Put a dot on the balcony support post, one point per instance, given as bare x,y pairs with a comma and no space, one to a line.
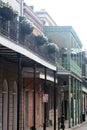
72,101
76,105
34,99
44,127
69,102
81,101
54,100
19,91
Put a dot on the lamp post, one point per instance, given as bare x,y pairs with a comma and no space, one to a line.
63,109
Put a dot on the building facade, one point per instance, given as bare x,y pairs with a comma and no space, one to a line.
84,83
33,19
16,5
15,55
45,18
70,58
28,73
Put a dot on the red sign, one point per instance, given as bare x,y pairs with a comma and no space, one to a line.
45,97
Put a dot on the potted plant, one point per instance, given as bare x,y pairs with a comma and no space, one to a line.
41,40
52,48
6,11
30,41
26,27
15,14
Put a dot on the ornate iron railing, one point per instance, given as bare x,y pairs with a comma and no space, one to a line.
11,29
75,68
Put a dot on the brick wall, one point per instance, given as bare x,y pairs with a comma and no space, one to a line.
28,86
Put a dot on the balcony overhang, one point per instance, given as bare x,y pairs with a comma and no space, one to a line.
39,75
9,49
65,74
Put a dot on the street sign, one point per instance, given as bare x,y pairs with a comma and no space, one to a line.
45,97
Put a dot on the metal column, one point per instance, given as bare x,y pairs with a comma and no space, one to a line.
78,102
19,91
34,99
69,109
81,101
54,100
73,102
76,106
44,127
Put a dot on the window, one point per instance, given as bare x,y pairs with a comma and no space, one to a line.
4,105
27,96
14,126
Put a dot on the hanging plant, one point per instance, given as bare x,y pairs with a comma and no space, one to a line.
41,40
15,14
6,11
26,27
31,41
52,48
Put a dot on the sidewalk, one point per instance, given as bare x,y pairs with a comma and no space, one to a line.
75,127
66,126
78,125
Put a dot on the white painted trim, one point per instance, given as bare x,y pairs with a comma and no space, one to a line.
63,72
27,74
48,77
20,49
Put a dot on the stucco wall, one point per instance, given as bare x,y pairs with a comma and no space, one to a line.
8,96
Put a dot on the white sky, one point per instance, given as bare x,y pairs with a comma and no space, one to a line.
66,13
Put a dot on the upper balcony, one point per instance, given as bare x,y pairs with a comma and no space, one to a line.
64,37
70,47
11,31
63,59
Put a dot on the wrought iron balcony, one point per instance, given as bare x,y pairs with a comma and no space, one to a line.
11,30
